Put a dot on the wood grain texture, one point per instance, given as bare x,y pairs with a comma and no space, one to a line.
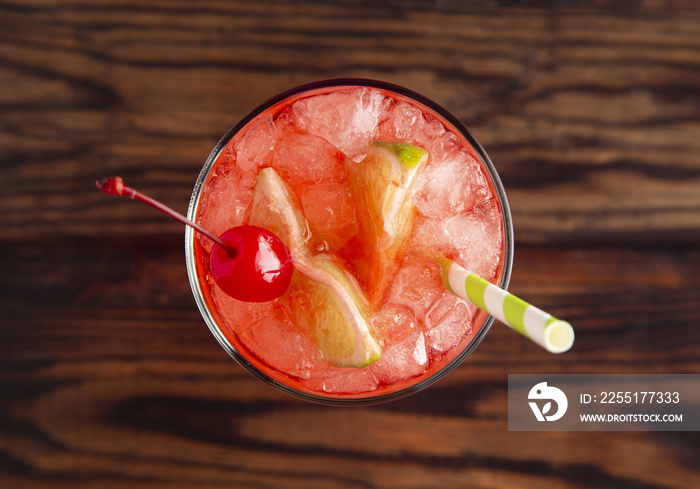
109,377
592,116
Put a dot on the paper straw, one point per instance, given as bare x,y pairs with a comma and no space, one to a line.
551,333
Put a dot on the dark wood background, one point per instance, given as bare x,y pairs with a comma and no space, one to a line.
109,378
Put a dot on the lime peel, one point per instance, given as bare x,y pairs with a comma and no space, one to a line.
408,154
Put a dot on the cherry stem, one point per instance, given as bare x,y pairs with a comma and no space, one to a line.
115,186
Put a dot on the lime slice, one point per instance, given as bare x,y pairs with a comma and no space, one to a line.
327,302
383,182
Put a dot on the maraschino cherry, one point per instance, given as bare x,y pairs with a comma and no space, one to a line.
249,263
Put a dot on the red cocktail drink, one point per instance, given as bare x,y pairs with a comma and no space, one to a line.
367,183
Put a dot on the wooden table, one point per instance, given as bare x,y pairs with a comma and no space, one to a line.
109,378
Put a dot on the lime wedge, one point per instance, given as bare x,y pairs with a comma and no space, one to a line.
385,178
383,182
326,302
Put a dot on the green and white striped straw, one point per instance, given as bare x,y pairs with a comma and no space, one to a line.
551,333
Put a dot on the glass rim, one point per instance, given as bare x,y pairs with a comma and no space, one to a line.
360,399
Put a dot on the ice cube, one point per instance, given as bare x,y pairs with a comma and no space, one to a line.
449,187
282,346
330,211
348,119
446,147
238,315
404,123
305,158
285,122
417,285
335,380
473,239
481,253
404,353
254,144
224,206
448,322
433,130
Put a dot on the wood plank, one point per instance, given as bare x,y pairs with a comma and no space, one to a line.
127,300
589,114
116,379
